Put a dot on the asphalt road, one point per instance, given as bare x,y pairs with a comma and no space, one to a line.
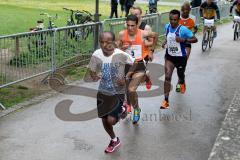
187,131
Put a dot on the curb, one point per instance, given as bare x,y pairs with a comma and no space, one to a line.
227,144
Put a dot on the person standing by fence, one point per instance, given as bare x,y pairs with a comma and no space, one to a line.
128,6
195,3
114,8
152,6
122,3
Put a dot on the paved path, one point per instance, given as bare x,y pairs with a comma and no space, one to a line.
187,131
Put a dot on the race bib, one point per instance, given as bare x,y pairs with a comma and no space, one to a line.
173,47
135,51
173,50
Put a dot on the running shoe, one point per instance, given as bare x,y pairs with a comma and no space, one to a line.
148,83
129,108
183,88
136,115
113,146
178,88
165,105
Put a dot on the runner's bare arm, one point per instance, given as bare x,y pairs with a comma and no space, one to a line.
91,76
94,76
148,38
120,43
154,35
188,40
164,43
155,39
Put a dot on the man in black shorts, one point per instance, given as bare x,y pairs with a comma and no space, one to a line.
137,43
176,38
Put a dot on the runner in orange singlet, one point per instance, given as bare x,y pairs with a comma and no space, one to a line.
137,43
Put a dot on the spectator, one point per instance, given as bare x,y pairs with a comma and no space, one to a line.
152,6
128,5
196,3
122,3
114,8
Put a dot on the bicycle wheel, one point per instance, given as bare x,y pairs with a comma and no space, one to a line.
210,34
205,41
235,35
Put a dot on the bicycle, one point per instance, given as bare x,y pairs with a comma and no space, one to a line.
208,34
38,42
236,27
80,17
51,20
39,26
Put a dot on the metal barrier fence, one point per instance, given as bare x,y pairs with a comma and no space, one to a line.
30,54
158,21
117,24
26,55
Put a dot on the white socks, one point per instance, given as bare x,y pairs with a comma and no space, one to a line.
115,139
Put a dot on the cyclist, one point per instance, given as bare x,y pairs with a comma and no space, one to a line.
135,42
175,57
237,10
208,10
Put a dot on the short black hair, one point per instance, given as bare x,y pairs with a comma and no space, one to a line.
174,12
132,18
108,32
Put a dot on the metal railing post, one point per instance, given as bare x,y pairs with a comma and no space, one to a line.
53,51
2,106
